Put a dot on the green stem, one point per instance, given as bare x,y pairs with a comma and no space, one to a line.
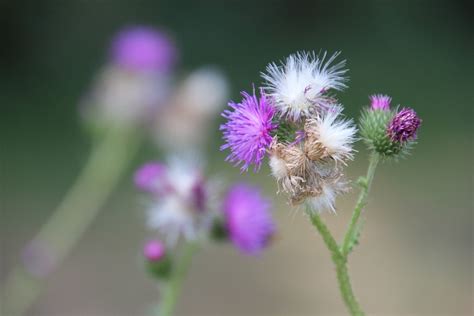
340,260
107,161
173,287
361,202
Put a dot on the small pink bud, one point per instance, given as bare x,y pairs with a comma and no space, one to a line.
154,250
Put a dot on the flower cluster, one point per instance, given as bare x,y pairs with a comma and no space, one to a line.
390,133
298,123
184,203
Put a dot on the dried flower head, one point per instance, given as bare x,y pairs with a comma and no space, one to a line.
404,125
299,86
332,183
306,180
248,130
380,102
248,219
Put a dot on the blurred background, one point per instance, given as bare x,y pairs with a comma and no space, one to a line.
416,252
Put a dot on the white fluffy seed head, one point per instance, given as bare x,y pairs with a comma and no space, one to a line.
301,83
334,133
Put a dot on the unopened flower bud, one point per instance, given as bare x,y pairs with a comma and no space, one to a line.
154,250
404,125
158,263
387,132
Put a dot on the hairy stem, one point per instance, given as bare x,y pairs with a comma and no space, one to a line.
340,260
173,287
107,161
365,184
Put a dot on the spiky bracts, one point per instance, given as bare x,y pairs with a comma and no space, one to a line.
390,133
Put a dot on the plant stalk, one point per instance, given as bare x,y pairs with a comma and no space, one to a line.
340,261
365,184
173,287
106,163
339,254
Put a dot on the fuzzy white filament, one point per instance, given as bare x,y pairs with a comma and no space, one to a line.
334,133
302,82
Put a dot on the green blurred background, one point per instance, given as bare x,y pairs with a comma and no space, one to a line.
416,252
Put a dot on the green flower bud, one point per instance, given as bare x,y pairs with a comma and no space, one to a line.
373,130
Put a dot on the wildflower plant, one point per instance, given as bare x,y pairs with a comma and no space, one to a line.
298,123
133,92
185,210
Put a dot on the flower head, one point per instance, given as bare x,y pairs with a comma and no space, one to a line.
181,209
380,102
154,250
404,125
328,135
300,85
141,48
248,130
248,220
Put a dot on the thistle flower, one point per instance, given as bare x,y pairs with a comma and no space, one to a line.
328,135
403,126
315,182
300,85
181,210
248,220
309,134
248,130
380,102
141,48
387,132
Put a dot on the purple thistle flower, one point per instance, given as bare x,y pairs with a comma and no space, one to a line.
248,130
404,125
380,102
154,250
149,177
143,48
247,219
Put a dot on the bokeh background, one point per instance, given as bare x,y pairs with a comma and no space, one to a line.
416,252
